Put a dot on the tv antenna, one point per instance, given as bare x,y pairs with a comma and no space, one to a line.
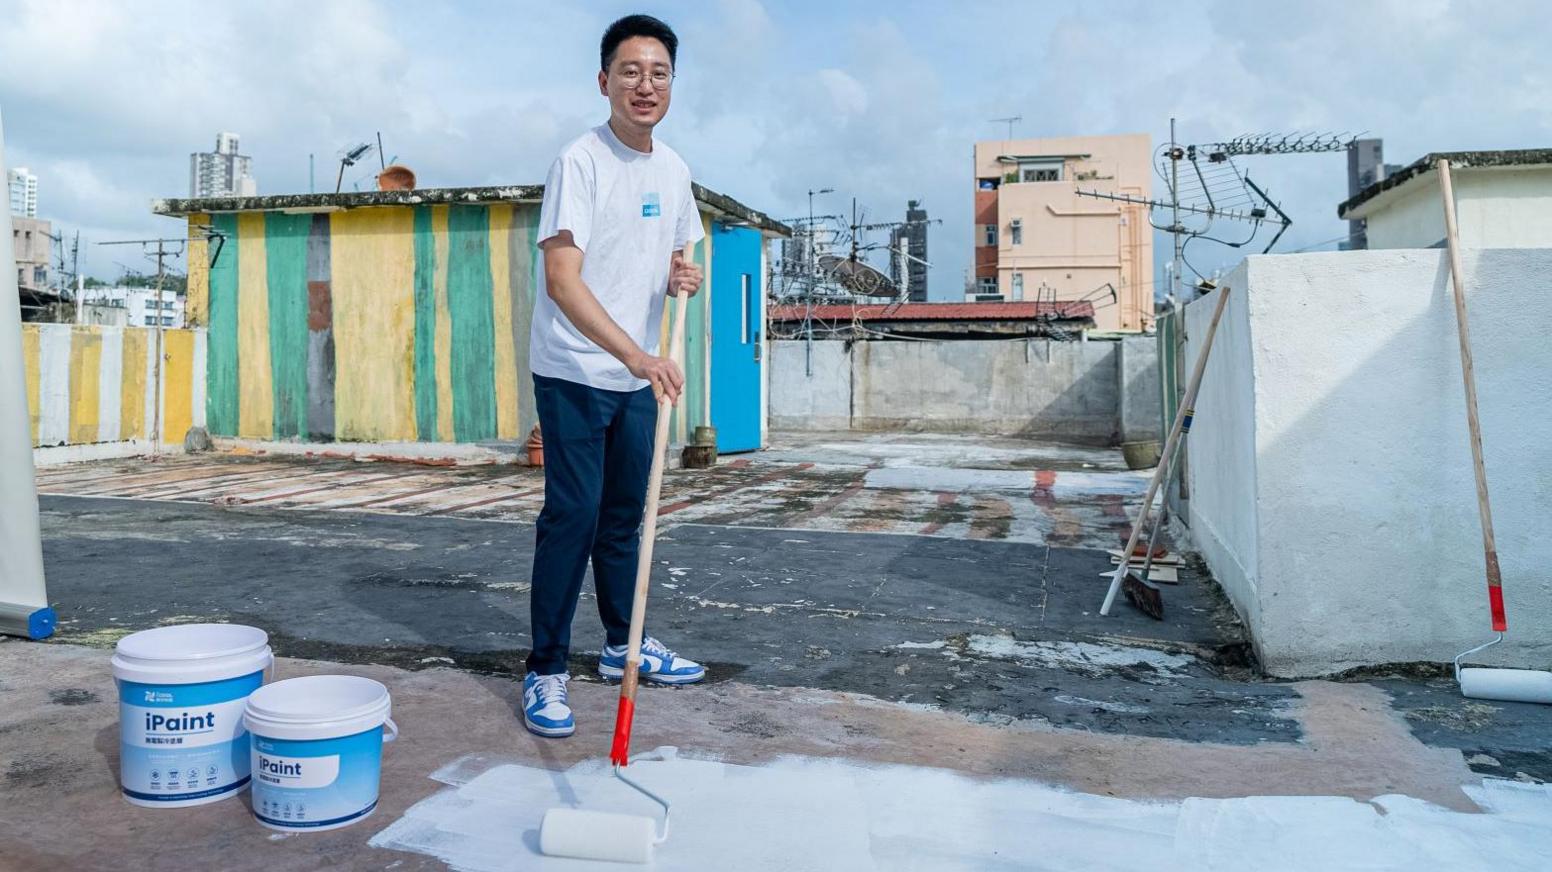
1206,189
349,157
1009,120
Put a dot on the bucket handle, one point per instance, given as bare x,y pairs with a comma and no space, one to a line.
390,731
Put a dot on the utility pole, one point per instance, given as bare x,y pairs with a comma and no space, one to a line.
813,273
162,253
1174,223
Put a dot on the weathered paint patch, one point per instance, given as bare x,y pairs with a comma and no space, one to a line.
255,385
197,382
85,383
110,385
505,360
196,299
132,389
221,375
178,375
373,260
425,326
469,287
54,387
444,327
31,363
525,261
285,254
320,333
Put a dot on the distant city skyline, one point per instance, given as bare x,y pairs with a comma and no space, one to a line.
223,172
21,187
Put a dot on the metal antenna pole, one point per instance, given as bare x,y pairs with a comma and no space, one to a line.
1174,196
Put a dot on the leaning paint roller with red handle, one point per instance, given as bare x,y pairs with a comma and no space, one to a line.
570,832
1510,685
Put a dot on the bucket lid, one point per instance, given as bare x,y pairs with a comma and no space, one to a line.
318,699
193,642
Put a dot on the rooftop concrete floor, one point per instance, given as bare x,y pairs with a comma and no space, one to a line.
925,600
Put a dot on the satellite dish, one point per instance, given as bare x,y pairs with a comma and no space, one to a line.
857,277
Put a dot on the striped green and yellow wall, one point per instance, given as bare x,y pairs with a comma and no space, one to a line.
382,324
88,384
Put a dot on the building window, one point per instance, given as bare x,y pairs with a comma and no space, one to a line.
1040,171
986,285
1018,286
991,234
150,320
1018,231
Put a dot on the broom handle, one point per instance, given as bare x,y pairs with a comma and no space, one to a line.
1182,417
1467,371
619,753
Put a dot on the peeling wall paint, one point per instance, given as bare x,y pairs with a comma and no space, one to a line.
88,384
393,323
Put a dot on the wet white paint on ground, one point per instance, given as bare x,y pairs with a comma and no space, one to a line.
809,814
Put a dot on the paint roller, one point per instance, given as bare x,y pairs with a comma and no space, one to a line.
1509,685
596,835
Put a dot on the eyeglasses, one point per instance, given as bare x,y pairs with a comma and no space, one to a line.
631,79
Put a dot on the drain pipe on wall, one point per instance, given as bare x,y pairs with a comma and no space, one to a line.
24,608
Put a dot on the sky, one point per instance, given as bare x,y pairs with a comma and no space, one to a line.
883,101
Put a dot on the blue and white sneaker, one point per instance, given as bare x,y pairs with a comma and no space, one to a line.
658,664
545,711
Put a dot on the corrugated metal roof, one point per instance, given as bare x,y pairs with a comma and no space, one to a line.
1521,157
719,204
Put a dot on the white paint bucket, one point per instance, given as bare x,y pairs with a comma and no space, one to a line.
317,750
182,690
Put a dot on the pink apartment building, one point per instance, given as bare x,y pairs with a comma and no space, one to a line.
1036,239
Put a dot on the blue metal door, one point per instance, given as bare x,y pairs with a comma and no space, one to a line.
736,321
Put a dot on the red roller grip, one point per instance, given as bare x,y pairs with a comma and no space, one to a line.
619,754
1495,601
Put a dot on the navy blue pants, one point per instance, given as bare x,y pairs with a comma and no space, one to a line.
597,457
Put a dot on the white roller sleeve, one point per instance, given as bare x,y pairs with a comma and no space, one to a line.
21,544
1509,685
597,835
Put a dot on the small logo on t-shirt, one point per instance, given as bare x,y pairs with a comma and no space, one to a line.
651,206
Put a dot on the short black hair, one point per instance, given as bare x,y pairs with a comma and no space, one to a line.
637,25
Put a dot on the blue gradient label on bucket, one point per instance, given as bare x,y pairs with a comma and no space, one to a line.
182,742
310,783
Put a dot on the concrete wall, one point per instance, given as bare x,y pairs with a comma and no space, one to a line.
1497,207
1331,481
1064,390
1222,505
1140,397
91,384
800,401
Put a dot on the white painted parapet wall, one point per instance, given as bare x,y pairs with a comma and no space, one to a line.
24,609
1331,488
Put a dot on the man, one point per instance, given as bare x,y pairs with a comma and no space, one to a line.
617,213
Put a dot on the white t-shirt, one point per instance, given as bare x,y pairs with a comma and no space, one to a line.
628,211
